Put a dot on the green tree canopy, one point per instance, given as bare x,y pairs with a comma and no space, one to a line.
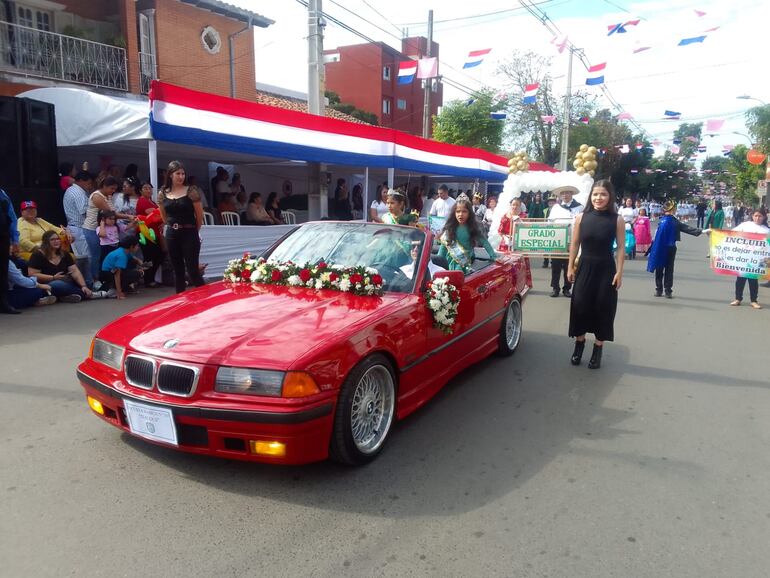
746,175
688,147
336,104
469,122
758,121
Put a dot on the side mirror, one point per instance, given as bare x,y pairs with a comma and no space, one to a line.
456,278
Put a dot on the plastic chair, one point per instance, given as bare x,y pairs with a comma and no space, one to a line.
289,218
208,218
230,218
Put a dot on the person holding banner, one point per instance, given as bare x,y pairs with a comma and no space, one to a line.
598,277
753,226
507,223
662,253
564,212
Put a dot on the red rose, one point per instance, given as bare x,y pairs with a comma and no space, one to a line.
321,265
333,277
304,274
377,279
245,274
275,275
355,278
246,255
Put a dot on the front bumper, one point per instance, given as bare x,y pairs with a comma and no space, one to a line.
227,433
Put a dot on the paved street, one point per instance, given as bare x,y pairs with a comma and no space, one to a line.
655,465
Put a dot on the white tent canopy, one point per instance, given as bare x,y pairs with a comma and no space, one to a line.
87,118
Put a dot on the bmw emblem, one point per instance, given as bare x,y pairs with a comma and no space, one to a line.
150,427
171,344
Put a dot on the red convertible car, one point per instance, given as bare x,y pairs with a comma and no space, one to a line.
295,374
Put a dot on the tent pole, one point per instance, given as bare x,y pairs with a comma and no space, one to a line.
366,194
391,177
152,151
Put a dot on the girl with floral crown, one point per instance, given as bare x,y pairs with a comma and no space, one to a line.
460,235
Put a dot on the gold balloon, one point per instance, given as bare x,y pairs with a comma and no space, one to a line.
583,148
511,161
592,150
520,165
580,171
592,173
590,165
577,163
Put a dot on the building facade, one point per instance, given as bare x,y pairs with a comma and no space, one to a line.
366,76
119,46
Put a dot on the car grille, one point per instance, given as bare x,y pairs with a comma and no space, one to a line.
176,379
140,371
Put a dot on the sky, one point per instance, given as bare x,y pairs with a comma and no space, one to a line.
701,81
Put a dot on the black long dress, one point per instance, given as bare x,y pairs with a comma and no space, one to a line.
594,299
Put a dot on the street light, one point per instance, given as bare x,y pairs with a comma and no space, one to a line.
747,97
751,144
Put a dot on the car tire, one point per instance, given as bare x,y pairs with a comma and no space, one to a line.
366,410
511,328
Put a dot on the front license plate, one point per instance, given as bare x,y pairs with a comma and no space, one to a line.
153,423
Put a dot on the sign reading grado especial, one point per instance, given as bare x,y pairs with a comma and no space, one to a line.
541,238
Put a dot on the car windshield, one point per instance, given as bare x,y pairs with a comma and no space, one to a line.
390,249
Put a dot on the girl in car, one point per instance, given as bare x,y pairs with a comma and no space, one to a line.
397,214
460,235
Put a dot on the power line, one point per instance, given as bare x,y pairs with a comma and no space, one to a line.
473,16
381,16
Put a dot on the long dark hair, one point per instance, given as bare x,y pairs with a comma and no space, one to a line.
270,198
173,167
450,228
606,184
45,245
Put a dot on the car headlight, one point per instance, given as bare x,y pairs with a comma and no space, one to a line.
107,353
249,381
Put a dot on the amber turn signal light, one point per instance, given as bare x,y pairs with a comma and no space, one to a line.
95,405
298,384
265,448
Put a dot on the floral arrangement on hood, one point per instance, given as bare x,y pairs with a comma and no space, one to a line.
357,280
442,299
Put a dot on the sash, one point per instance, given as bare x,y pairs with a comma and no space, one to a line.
458,254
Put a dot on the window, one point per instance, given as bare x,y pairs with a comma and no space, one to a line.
386,72
24,17
33,18
385,106
211,40
401,104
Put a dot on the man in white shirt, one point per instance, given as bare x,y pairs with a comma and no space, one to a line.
408,269
442,207
564,212
75,203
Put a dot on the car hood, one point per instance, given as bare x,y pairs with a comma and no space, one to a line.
263,326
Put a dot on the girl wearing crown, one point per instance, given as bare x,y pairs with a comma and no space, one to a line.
460,235
397,214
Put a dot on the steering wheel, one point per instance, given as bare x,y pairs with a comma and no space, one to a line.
389,273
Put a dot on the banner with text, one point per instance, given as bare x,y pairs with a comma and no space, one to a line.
740,254
541,238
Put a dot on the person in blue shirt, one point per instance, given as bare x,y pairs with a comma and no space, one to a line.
119,272
9,239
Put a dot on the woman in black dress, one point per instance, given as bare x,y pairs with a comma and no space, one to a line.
182,213
598,276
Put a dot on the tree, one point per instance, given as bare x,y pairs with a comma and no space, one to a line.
336,104
469,122
526,128
717,170
746,175
690,135
667,178
758,121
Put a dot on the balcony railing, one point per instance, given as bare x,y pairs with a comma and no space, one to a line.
32,52
148,71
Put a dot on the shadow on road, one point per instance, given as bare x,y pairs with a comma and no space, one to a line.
490,430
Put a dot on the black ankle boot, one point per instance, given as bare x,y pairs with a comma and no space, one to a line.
596,358
577,355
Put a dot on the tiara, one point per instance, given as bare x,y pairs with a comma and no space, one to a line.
463,197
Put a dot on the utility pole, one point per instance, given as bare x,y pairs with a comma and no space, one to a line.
317,187
428,83
564,157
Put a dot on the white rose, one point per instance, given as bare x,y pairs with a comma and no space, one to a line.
310,283
294,280
325,277
434,304
344,285
319,284
254,275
